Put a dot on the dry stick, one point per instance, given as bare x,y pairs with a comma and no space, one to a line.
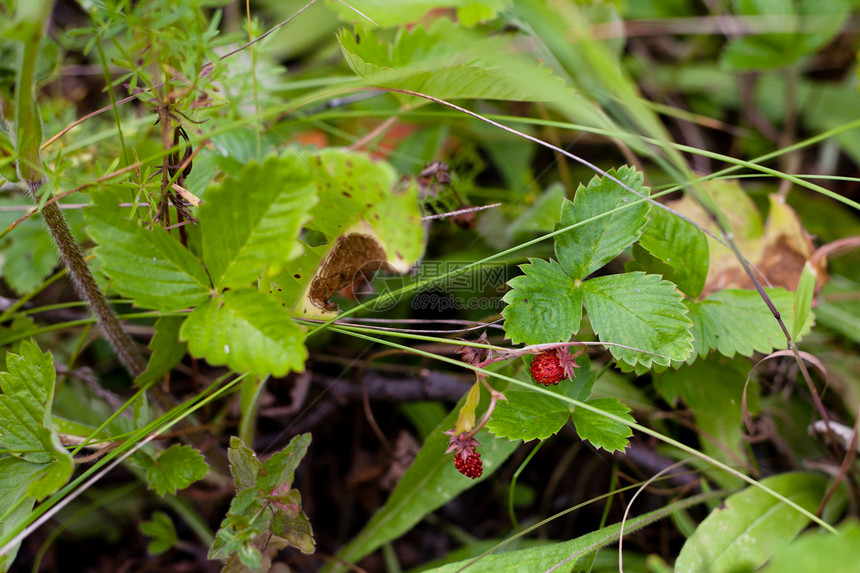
29,130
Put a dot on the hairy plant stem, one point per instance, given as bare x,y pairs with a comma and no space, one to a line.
28,130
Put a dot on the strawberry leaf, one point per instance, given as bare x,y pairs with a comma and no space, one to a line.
600,430
175,468
247,331
640,311
738,321
250,222
680,245
583,250
545,304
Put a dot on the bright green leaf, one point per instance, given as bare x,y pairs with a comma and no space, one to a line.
167,351
738,321
250,221
803,299
680,245
587,248
160,529
175,468
16,475
248,332
640,311
745,531
820,552
244,464
544,305
600,430
149,266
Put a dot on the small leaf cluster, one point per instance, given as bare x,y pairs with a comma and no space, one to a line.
266,509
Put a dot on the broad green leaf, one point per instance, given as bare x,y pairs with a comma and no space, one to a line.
544,305
712,388
277,471
820,552
175,468
600,430
149,266
251,220
738,321
429,483
30,258
160,529
744,532
533,415
587,248
371,223
16,475
803,299
564,555
445,61
680,245
640,311
26,425
167,351
806,25
248,332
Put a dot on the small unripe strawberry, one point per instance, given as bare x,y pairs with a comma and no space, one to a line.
546,368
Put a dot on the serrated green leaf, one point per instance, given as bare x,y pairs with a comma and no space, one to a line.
244,464
680,245
544,305
803,299
160,529
738,321
600,430
445,61
16,475
430,482
250,221
744,532
277,472
819,552
150,267
640,311
26,426
243,523
175,468
167,351
587,248
248,332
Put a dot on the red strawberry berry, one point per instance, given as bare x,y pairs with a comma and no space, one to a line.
546,368
469,463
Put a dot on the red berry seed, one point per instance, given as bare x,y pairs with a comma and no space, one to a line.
469,463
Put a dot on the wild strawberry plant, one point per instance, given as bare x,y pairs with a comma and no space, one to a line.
237,211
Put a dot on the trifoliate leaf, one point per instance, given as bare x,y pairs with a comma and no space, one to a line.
160,529
173,469
640,311
250,221
586,248
600,430
167,351
149,266
738,321
544,305
680,245
247,331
